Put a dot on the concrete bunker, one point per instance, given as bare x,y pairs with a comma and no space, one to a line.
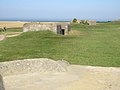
58,28
63,29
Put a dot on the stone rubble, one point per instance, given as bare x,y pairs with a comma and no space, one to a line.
31,66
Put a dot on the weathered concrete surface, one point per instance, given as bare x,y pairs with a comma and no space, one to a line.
31,66
55,27
1,83
95,78
75,77
38,27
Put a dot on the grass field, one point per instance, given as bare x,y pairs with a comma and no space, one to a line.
95,45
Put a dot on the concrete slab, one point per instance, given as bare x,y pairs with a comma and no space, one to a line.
75,77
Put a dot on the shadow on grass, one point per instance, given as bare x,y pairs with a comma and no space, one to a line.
61,37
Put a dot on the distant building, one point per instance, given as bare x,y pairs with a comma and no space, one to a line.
91,22
58,28
79,21
88,22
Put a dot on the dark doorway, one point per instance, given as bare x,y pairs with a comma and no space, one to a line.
62,31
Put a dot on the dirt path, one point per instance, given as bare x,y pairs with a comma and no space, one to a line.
13,34
10,34
2,37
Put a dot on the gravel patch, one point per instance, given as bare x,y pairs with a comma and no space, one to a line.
32,65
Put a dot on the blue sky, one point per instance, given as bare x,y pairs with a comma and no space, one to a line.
60,9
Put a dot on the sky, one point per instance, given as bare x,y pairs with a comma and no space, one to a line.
60,9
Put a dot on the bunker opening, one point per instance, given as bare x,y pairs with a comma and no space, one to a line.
62,31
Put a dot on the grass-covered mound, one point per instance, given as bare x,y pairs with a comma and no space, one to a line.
95,45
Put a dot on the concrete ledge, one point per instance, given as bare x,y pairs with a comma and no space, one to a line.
32,65
1,83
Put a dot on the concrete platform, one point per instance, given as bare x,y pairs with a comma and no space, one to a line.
75,77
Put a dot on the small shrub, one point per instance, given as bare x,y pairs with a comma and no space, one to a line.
74,20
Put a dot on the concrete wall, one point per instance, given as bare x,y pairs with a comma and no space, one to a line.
1,83
52,26
38,27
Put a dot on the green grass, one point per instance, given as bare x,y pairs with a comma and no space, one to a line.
14,29
97,46
9,30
